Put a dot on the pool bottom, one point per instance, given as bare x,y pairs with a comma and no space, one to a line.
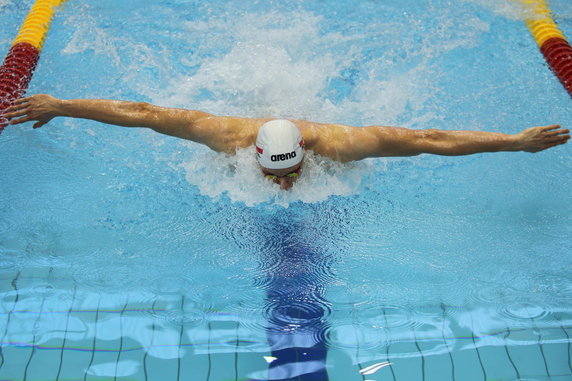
57,333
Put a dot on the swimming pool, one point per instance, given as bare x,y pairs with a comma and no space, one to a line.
133,256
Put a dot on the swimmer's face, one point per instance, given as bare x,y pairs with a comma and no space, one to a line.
285,177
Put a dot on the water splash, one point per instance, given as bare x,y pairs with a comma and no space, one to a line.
283,65
238,178
512,10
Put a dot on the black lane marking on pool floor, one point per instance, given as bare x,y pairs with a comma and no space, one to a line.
508,353
420,353
181,331
65,334
121,340
34,337
535,328
209,352
236,353
477,349
568,342
387,347
14,285
152,340
94,339
443,307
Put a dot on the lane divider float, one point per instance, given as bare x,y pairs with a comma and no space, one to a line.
552,42
18,67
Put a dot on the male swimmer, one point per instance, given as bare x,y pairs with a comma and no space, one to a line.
280,144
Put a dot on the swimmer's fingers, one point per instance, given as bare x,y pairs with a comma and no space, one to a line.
21,120
558,132
39,124
553,141
18,108
537,139
557,137
13,113
16,111
22,100
555,144
558,140
549,128
15,107
37,108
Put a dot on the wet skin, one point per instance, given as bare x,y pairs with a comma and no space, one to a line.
335,141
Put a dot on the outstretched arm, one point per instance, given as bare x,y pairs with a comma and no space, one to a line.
43,108
345,143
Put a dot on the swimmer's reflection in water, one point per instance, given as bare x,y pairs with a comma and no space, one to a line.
280,144
297,311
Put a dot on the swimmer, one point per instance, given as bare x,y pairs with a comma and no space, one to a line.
280,144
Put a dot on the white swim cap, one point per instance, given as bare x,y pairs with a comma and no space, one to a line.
279,145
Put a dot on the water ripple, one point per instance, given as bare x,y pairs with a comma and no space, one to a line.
42,289
345,297
526,312
9,259
188,317
297,313
349,337
99,277
389,317
5,225
295,271
557,286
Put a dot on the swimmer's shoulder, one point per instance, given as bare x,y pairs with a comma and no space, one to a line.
320,137
229,133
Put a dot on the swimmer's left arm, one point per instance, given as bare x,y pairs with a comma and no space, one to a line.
42,108
222,134
344,143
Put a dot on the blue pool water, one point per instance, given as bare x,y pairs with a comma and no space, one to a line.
128,255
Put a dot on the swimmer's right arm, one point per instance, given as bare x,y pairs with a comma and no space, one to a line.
346,143
43,108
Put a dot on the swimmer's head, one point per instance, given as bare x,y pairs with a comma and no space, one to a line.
280,150
279,145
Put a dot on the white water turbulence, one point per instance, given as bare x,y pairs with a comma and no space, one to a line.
283,65
510,9
286,64
4,3
289,65
274,64
218,175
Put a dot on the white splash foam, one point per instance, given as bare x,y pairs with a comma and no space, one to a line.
239,178
268,68
283,64
89,36
510,9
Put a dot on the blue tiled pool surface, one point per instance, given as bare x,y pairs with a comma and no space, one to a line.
90,336
127,255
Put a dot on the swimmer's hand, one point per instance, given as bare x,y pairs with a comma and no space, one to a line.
537,139
40,107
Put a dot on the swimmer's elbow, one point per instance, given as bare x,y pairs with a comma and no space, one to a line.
179,123
433,141
439,142
401,142
136,114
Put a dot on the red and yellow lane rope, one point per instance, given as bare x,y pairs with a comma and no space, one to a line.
18,67
551,40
